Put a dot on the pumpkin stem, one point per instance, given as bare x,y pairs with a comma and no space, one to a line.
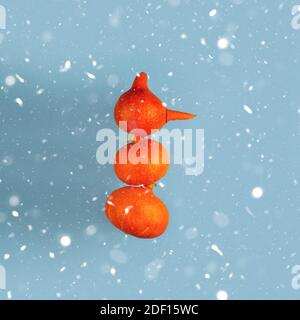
151,185
141,81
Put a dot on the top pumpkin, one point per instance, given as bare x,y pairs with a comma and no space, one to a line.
140,112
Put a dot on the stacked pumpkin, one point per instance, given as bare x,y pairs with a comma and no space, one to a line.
135,209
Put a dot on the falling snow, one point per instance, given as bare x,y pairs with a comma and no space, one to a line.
90,75
65,241
257,192
222,295
248,109
19,102
66,67
215,248
223,43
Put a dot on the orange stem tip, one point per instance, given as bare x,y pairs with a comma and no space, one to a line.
178,115
141,80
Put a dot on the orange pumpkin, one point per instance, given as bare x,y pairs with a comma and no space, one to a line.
137,211
141,162
138,110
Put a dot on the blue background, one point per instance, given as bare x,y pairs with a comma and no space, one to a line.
48,148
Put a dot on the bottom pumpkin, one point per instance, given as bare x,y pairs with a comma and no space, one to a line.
137,211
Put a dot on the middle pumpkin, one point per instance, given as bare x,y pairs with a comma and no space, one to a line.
143,161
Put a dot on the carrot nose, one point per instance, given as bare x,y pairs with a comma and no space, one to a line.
140,81
178,115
